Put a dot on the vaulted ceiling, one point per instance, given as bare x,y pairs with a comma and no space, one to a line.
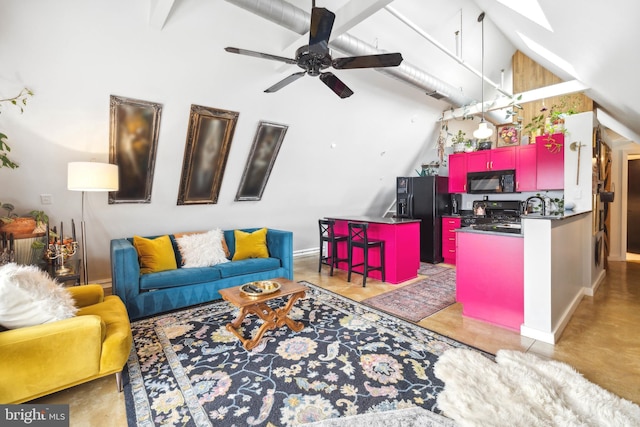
590,43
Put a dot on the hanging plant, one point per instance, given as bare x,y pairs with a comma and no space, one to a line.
19,101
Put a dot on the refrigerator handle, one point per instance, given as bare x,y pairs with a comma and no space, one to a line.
410,205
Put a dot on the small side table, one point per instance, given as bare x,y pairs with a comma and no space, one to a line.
272,318
74,275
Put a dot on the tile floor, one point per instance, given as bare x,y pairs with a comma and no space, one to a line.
601,341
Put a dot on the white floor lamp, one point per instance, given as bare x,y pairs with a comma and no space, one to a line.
90,176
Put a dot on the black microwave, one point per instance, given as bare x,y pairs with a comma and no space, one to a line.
503,181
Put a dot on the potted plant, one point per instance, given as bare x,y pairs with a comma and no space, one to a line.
11,223
459,142
469,146
20,101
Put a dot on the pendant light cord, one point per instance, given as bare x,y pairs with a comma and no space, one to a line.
481,19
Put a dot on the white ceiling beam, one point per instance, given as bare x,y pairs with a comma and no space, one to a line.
159,11
559,89
610,122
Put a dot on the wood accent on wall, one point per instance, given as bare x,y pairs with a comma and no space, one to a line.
528,75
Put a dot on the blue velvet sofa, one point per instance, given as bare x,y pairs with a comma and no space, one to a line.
148,294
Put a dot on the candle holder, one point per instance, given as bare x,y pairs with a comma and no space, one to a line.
61,251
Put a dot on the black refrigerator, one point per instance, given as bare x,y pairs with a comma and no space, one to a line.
425,198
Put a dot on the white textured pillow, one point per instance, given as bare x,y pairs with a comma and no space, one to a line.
28,296
202,250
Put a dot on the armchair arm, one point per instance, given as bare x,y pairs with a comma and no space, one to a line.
125,270
87,295
280,244
39,359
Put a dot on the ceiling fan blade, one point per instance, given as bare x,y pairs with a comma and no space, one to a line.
368,61
320,31
282,83
259,55
336,85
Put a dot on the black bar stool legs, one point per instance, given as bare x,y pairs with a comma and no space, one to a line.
328,235
358,238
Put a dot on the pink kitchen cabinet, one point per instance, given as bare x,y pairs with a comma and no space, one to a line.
490,278
487,160
458,173
550,162
526,168
449,226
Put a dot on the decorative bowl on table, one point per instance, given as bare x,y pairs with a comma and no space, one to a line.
259,288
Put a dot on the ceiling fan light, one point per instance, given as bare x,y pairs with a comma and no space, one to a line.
483,131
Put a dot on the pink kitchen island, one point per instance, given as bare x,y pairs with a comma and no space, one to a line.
402,245
490,277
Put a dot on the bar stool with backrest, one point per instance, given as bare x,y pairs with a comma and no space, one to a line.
358,238
327,234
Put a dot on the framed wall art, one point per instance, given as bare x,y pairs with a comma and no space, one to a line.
262,156
205,155
133,140
508,135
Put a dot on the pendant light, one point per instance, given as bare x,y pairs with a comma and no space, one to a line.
483,131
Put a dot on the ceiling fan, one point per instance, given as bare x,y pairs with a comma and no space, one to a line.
316,56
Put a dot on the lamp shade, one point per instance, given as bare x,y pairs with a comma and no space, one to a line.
483,131
92,176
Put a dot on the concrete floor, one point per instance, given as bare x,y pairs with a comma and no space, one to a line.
601,340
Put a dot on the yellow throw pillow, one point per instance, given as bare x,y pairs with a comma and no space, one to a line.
155,254
251,245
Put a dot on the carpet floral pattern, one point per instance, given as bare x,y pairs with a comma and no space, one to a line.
187,369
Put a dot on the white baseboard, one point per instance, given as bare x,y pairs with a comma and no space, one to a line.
552,337
304,252
591,291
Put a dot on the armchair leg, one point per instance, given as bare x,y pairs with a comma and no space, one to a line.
119,383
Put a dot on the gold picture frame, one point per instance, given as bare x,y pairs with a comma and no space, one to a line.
507,135
133,141
264,150
205,155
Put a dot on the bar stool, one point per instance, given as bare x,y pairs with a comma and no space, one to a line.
358,238
328,235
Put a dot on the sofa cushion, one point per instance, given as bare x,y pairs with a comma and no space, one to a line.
202,249
250,245
155,254
247,266
28,296
179,277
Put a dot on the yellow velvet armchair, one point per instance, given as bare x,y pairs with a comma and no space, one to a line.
42,359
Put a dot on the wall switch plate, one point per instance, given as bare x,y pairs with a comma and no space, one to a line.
46,199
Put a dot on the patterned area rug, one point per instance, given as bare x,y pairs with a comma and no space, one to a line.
187,369
427,269
420,299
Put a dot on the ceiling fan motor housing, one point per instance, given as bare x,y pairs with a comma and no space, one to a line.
312,62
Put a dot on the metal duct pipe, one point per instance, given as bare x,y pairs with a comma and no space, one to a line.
297,20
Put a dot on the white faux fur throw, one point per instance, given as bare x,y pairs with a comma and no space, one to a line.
521,389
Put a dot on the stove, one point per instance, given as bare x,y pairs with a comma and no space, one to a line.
501,216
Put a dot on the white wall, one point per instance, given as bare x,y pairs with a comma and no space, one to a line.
75,54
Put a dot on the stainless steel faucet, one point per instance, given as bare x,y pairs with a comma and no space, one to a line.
543,204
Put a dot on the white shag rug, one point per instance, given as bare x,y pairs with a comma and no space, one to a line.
407,417
521,389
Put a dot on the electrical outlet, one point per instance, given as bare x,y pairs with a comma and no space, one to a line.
46,199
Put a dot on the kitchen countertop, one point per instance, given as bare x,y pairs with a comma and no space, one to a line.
375,219
567,214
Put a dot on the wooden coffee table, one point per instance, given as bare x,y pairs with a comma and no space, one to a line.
258,305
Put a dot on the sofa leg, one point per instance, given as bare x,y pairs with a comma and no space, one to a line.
119,381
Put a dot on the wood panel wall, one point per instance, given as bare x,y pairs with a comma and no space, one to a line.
528,75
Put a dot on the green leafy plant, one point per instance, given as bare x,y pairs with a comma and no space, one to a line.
19,101
8,218
460,137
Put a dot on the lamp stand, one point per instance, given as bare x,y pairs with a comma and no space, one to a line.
83,231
